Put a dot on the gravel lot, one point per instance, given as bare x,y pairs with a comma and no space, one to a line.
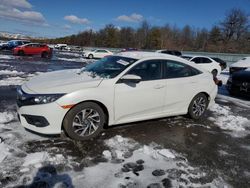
169,152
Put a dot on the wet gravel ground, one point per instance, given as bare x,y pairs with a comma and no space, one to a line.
215,151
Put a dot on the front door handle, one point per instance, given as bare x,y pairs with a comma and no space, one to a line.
158,86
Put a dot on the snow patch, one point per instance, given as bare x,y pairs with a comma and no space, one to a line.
80,60
166,153
12,81
3,152
149,158
70,54
9,72
227,121
35,158
107,154
6,117
17,80
7,57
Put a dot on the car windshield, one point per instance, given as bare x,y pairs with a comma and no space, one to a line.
109,67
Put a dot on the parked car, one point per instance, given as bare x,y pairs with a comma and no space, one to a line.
129,49
33,49
3,45
96,53
242,64
171,52
123,88
222,63
61,46
14,43
207,63
239,83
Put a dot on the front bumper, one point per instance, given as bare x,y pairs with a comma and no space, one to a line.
239,88
51,112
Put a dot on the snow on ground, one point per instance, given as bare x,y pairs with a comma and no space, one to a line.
4,152
35,159
226,120
16,78
6,56
81,60
70,54
12,81
6,117
148,165
128,163
10,72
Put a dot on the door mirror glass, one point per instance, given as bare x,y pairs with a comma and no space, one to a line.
130,78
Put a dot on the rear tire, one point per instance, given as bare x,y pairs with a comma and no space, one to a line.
84,121
198,106
90,56
44,55
20,53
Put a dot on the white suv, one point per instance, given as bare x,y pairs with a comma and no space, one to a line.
127,87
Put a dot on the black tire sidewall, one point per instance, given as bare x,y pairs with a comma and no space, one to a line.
44,54
90,56
190,108
20,53
68,120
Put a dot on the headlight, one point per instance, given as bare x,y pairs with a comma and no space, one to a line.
44,99
24,99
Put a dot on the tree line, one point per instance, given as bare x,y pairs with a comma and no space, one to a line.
232,34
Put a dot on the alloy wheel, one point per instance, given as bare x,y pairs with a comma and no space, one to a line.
86,122
199,106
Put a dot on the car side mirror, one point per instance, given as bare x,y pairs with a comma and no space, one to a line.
130,78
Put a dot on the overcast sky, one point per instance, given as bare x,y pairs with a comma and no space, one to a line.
53,18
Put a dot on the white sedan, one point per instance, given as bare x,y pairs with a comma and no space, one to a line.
127,87
97,53
206,63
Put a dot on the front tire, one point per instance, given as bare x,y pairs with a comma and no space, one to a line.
198,106
84,121
90,56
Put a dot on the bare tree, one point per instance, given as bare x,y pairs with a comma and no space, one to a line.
235,24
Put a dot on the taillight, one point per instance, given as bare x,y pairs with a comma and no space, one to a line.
217,81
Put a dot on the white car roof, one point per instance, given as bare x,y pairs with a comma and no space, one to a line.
142,55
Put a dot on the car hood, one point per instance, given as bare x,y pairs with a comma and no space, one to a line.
242,76
64,81
242,63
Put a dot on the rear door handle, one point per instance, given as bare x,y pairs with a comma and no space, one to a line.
158,86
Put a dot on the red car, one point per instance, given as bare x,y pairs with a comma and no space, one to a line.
33,49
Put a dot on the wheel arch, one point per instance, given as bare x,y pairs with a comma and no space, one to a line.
205,93
104,108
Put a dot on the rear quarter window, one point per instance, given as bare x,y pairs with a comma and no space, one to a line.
174,69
